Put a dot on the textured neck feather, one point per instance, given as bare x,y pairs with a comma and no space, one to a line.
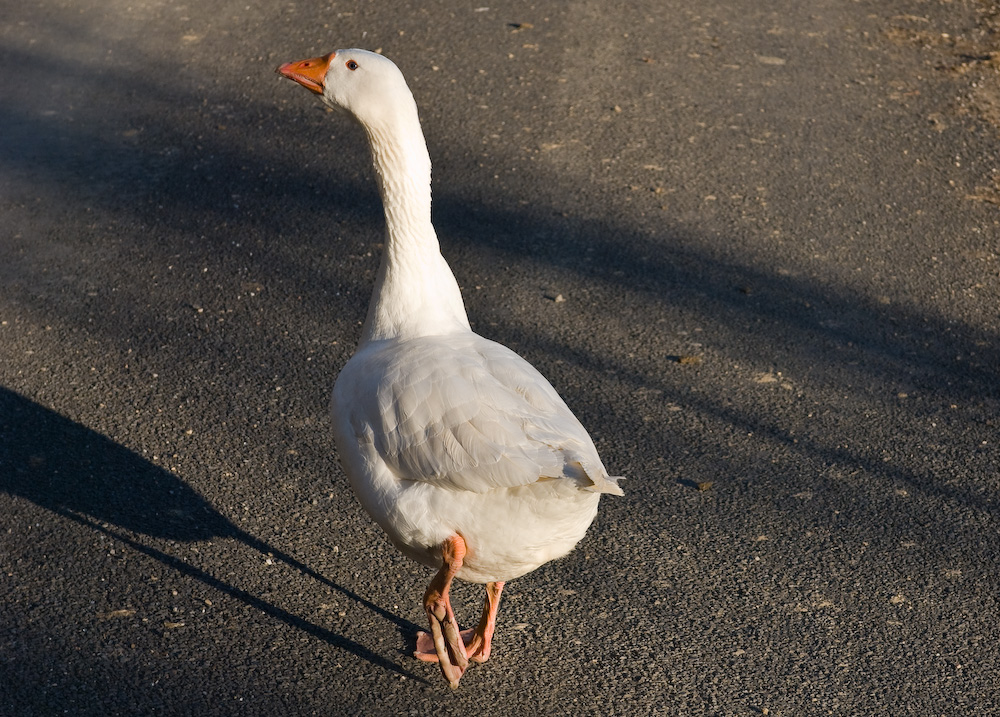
415,292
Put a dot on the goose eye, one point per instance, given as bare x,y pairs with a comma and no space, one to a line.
352,65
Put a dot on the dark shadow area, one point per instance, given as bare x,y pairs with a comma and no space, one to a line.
967,493
74,472
167,181
898,343
67,468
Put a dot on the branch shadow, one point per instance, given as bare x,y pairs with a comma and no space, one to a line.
279,192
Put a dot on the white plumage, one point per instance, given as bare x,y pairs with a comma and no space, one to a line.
458,448
458,434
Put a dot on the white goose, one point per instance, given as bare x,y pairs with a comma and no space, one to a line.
458,448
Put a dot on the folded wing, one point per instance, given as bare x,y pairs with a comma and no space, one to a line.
466,413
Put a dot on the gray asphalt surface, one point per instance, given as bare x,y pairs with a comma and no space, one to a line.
775,227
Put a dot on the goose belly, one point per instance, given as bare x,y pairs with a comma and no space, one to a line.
508,531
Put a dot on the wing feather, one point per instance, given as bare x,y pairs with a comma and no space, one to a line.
465,413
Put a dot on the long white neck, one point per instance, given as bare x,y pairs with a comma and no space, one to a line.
415,292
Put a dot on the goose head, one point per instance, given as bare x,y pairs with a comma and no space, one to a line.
365,85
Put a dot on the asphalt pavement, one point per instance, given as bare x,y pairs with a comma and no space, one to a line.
756,246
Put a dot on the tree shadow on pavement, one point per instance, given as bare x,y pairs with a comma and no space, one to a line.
180,174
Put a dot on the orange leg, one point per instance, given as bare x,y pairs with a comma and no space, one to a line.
478,647
444,644
448,645
477,641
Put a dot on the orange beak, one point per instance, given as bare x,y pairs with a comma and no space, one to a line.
311,74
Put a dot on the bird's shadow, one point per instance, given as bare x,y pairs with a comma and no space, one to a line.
77,473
